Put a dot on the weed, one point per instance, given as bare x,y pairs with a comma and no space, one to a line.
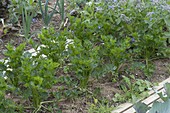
98,107
133,88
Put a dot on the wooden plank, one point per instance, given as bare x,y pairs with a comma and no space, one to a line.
123,107
128,107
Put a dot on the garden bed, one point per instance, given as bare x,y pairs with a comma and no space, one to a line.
108,89
119,60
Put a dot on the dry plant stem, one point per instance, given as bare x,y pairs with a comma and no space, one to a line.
84,90
41,105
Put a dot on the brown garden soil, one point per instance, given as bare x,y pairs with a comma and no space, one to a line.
107,88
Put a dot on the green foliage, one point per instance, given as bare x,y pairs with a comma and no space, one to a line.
53,45
6,104
141,108
27,75
77,3
160,107
123,31
35,75
16,8
157,107
81,63
3,86
102,42
27,17
84,59
45,13
14,63
132,89
100,108
99,40
114,53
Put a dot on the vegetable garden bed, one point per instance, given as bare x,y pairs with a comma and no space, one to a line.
81,56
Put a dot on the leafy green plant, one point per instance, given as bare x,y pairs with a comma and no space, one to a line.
149,43
53,45
79,62
84,59
77,3
157,107
133,88
128,35
35,75
100,108
14,63
7,105
116,54
45,13
95,27
27,75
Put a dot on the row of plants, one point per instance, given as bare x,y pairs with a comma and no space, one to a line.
36,7
22,13
102,39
